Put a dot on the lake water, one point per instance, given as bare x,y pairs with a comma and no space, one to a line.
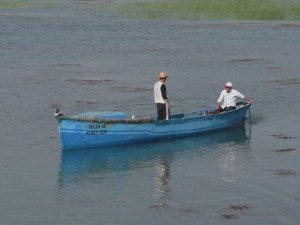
82,59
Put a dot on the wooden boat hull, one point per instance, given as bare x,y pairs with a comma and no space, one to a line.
87,132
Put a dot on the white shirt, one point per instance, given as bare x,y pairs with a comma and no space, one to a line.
229,99
158,98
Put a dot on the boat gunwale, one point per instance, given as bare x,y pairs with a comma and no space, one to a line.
188,116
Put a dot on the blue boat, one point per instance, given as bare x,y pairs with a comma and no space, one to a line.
102,129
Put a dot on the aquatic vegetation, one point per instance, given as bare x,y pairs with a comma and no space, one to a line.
188,210
159,206
288,81
285,173
282,136
84,102
131,89
246,60
239,207
285,150
228,216
213,9
89,81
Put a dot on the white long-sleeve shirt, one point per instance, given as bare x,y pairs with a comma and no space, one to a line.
229,99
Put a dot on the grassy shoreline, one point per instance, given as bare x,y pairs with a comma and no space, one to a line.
23,4
186,9
15,4
213,9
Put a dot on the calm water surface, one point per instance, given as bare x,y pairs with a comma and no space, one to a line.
81,59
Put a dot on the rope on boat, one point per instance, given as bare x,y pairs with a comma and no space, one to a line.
60,116
249,116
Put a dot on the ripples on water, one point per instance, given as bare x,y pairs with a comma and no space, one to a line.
80,58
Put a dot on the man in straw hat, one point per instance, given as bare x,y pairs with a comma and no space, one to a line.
228,98
160,96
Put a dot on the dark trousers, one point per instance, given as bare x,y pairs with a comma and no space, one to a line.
161,111
227,109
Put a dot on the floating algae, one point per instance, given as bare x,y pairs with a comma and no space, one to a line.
288,81
187,210
228,216
89,81
282,136
239,207
285,150
84,102
130,89
285,173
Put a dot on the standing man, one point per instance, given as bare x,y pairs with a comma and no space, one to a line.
160,96
228,98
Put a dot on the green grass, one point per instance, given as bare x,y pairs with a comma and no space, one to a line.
189,9
14,4
21,4
213,9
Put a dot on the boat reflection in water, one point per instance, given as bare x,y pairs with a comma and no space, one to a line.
86,163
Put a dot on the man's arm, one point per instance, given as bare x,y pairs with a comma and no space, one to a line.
251,101
219,101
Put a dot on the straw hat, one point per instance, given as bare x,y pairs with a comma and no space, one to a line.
163,74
